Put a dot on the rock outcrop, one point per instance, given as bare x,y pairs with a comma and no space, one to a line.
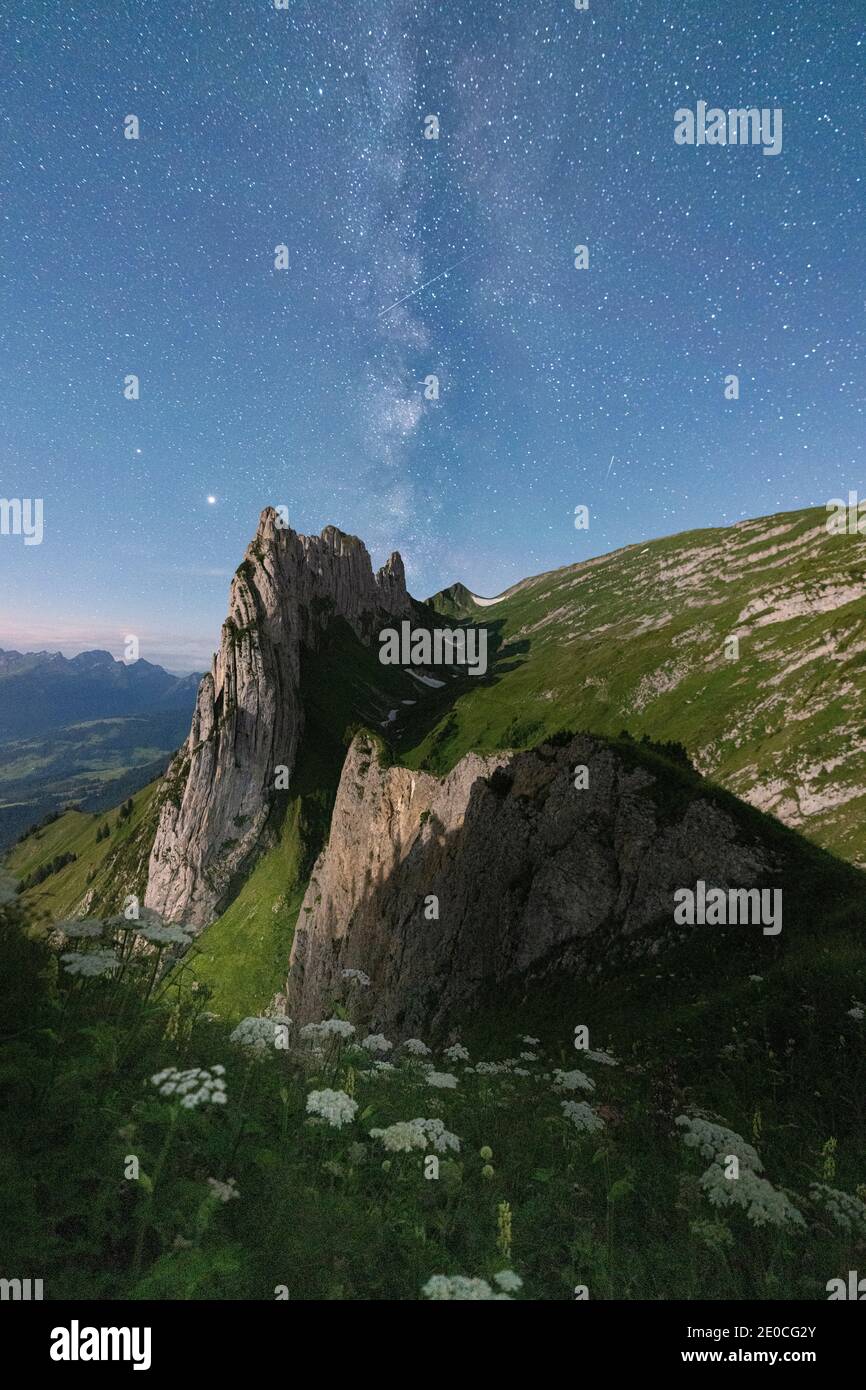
248,717
532,877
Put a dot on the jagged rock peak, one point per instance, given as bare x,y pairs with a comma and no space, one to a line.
248,717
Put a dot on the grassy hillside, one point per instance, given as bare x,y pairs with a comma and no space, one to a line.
103,872
637,640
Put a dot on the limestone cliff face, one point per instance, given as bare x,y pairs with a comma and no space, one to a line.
532,876
248,716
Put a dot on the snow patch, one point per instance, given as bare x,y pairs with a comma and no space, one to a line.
425,680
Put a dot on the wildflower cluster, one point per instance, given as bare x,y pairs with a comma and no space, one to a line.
442,1080
458,1286
357,977
848,1212
763,1204
572,1081
407,1135
260,1034
334,1107
89,964
193,1087
330,1028
582,1116
80,931
223,1191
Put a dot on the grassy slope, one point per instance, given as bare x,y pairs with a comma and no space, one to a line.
108,870
578,645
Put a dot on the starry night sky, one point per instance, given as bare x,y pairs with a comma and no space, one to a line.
306,127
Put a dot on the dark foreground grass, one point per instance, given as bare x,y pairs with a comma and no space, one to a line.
104,1189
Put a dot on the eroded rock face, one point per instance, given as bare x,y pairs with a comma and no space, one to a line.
532,876
248,716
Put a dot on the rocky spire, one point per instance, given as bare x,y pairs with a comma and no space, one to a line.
248,717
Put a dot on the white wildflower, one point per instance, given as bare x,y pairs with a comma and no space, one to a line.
528,1057
259,1034
764,1204
331,1027
194,1087
457,1286
604,1058
144,917
90,963
572,1081
530,1042
159,935
582,1116
223,1191
456,1053
357,977
508,1281
441,1079
402,1137
84,931
416,1047
376,1042
407,1135
848,1212
715,1141
858,1011
334,1106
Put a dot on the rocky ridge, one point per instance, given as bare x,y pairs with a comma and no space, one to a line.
248,717
532,878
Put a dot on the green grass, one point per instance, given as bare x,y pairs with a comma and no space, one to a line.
331,1215
764,717
107,871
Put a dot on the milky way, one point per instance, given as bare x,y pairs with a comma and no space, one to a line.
411,258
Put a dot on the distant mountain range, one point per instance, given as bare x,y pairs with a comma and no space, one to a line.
44,690
86,730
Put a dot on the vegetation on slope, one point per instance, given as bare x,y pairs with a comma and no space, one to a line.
637,640
112,1189
104,871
